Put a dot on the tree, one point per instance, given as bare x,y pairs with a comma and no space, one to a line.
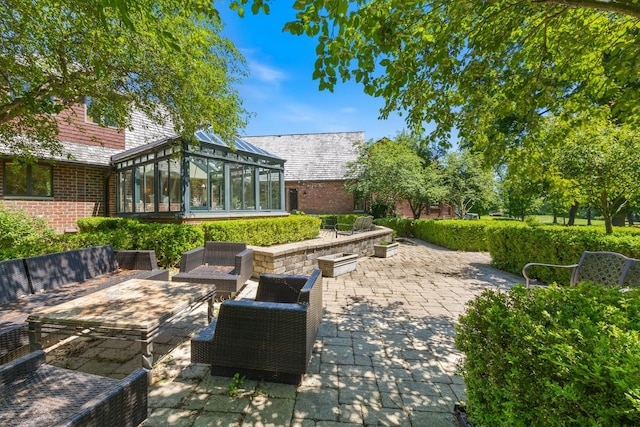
164,58
386,170
490,69
467,182
603,162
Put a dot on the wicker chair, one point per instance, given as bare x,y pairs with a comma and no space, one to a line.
606,268
33,393
269,338
228,265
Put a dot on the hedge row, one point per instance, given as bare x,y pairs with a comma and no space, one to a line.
512,244
27,238
263,232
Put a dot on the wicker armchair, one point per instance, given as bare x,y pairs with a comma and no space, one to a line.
269,338
33,393
605,268
227,265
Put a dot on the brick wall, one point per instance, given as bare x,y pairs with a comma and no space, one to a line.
87,133
78,191
320,197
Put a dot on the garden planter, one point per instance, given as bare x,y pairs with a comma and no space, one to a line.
337,264
385,251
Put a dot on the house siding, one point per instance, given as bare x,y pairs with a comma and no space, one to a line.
87,133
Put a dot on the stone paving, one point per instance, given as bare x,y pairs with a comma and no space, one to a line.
384,356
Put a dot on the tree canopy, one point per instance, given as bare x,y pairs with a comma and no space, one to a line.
491,70
123,55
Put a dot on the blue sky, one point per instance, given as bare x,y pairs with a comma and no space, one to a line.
280,91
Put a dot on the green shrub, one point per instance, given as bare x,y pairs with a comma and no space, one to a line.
263,232
22,235
552,357
168,241
403,227
513,245
460,235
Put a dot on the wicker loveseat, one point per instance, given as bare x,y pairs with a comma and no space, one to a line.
33,393
605,268
228,265
269,338
47,280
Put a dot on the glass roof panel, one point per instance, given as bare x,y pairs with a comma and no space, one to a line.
206,135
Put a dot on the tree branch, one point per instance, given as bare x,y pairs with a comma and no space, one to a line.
630,8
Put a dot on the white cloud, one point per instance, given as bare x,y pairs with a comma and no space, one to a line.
265,73
349,110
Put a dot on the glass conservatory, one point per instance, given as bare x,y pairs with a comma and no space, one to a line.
173,178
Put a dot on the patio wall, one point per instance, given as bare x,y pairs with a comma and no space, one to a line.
302,257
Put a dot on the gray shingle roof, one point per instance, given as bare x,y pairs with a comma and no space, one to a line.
312,157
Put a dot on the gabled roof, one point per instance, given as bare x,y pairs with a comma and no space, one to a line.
312,157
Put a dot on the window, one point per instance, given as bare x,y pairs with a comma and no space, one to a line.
269,189
91,116
243,187
28,180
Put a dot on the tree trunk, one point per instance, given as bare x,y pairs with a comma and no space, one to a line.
572,213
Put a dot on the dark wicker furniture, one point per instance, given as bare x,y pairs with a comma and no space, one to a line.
606,268
33,393
270,338
228,265
47,280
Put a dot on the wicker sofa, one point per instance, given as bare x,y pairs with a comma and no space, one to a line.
47,280
270,338
228,265
33,393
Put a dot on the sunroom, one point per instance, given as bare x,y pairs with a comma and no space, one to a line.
175,179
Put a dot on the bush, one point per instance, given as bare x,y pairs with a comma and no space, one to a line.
513,245
168,241
552,357
263,232
23,236
402,227
454,234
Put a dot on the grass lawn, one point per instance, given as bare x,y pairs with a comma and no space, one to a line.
548,219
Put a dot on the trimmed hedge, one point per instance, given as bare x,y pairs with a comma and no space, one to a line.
169,241
263,232
402,227
513,245
454,234
561,356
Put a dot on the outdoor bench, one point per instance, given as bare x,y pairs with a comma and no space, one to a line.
360,225
33,393
269,338
605,268
48,280
228,265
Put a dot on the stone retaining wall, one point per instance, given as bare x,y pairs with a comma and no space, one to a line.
302,257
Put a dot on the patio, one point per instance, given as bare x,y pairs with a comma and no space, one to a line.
384,355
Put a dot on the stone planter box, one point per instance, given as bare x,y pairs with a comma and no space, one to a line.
385,251
337,264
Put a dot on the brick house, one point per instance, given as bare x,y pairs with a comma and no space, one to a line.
315,170
148,172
